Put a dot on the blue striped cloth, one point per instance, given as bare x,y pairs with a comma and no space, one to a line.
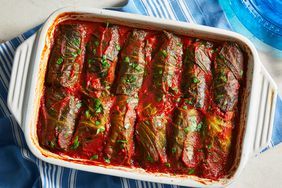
18,166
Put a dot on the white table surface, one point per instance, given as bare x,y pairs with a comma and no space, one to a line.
18,16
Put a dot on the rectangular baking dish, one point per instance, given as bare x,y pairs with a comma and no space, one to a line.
28,75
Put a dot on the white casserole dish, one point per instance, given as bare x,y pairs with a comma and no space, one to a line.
28,77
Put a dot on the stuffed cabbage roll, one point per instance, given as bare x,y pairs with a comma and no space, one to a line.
167,64
66,60
59,111
228,72
196,77
92,127
120,145
132,64
101,58
187,140
151,128
151,135
218,131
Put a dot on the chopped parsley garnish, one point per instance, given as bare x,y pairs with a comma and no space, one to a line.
100,130
175,89
163,53
186,129
135,66
52,144
179,44
60,60
98,106
130,79
97,122
107,160
74,54
76,41
223,78
126,59
78,105
221,56
150,159
167,164
185,107
196,80
159,99
94,157
199,126
75,143
173,150
210,146
187,101
87,114
121,141
117,47
90,61
104,62
79,51
191,171
96,43
241,72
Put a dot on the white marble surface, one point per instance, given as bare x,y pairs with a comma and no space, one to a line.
18,16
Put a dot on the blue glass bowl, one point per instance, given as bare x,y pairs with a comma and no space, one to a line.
259,20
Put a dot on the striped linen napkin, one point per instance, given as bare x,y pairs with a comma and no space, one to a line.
18,166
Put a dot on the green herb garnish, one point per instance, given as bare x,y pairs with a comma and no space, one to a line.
210,146
52,144
121,141
78,105
74,54
98,106
167,164
96,43
90,61
173,150
163,53
191,171
104,62
75,143
100,130
130,79
126,59
87,114
199,126
196,80
60,60
118,47
150,159
186,129
94,157
107,160
97,122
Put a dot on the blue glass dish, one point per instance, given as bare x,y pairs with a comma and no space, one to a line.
259,20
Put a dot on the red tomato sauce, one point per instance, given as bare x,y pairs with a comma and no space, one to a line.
177,126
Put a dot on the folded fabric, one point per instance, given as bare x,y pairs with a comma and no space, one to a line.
18,166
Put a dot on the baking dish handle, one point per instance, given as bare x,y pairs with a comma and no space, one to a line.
263,125
17,87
